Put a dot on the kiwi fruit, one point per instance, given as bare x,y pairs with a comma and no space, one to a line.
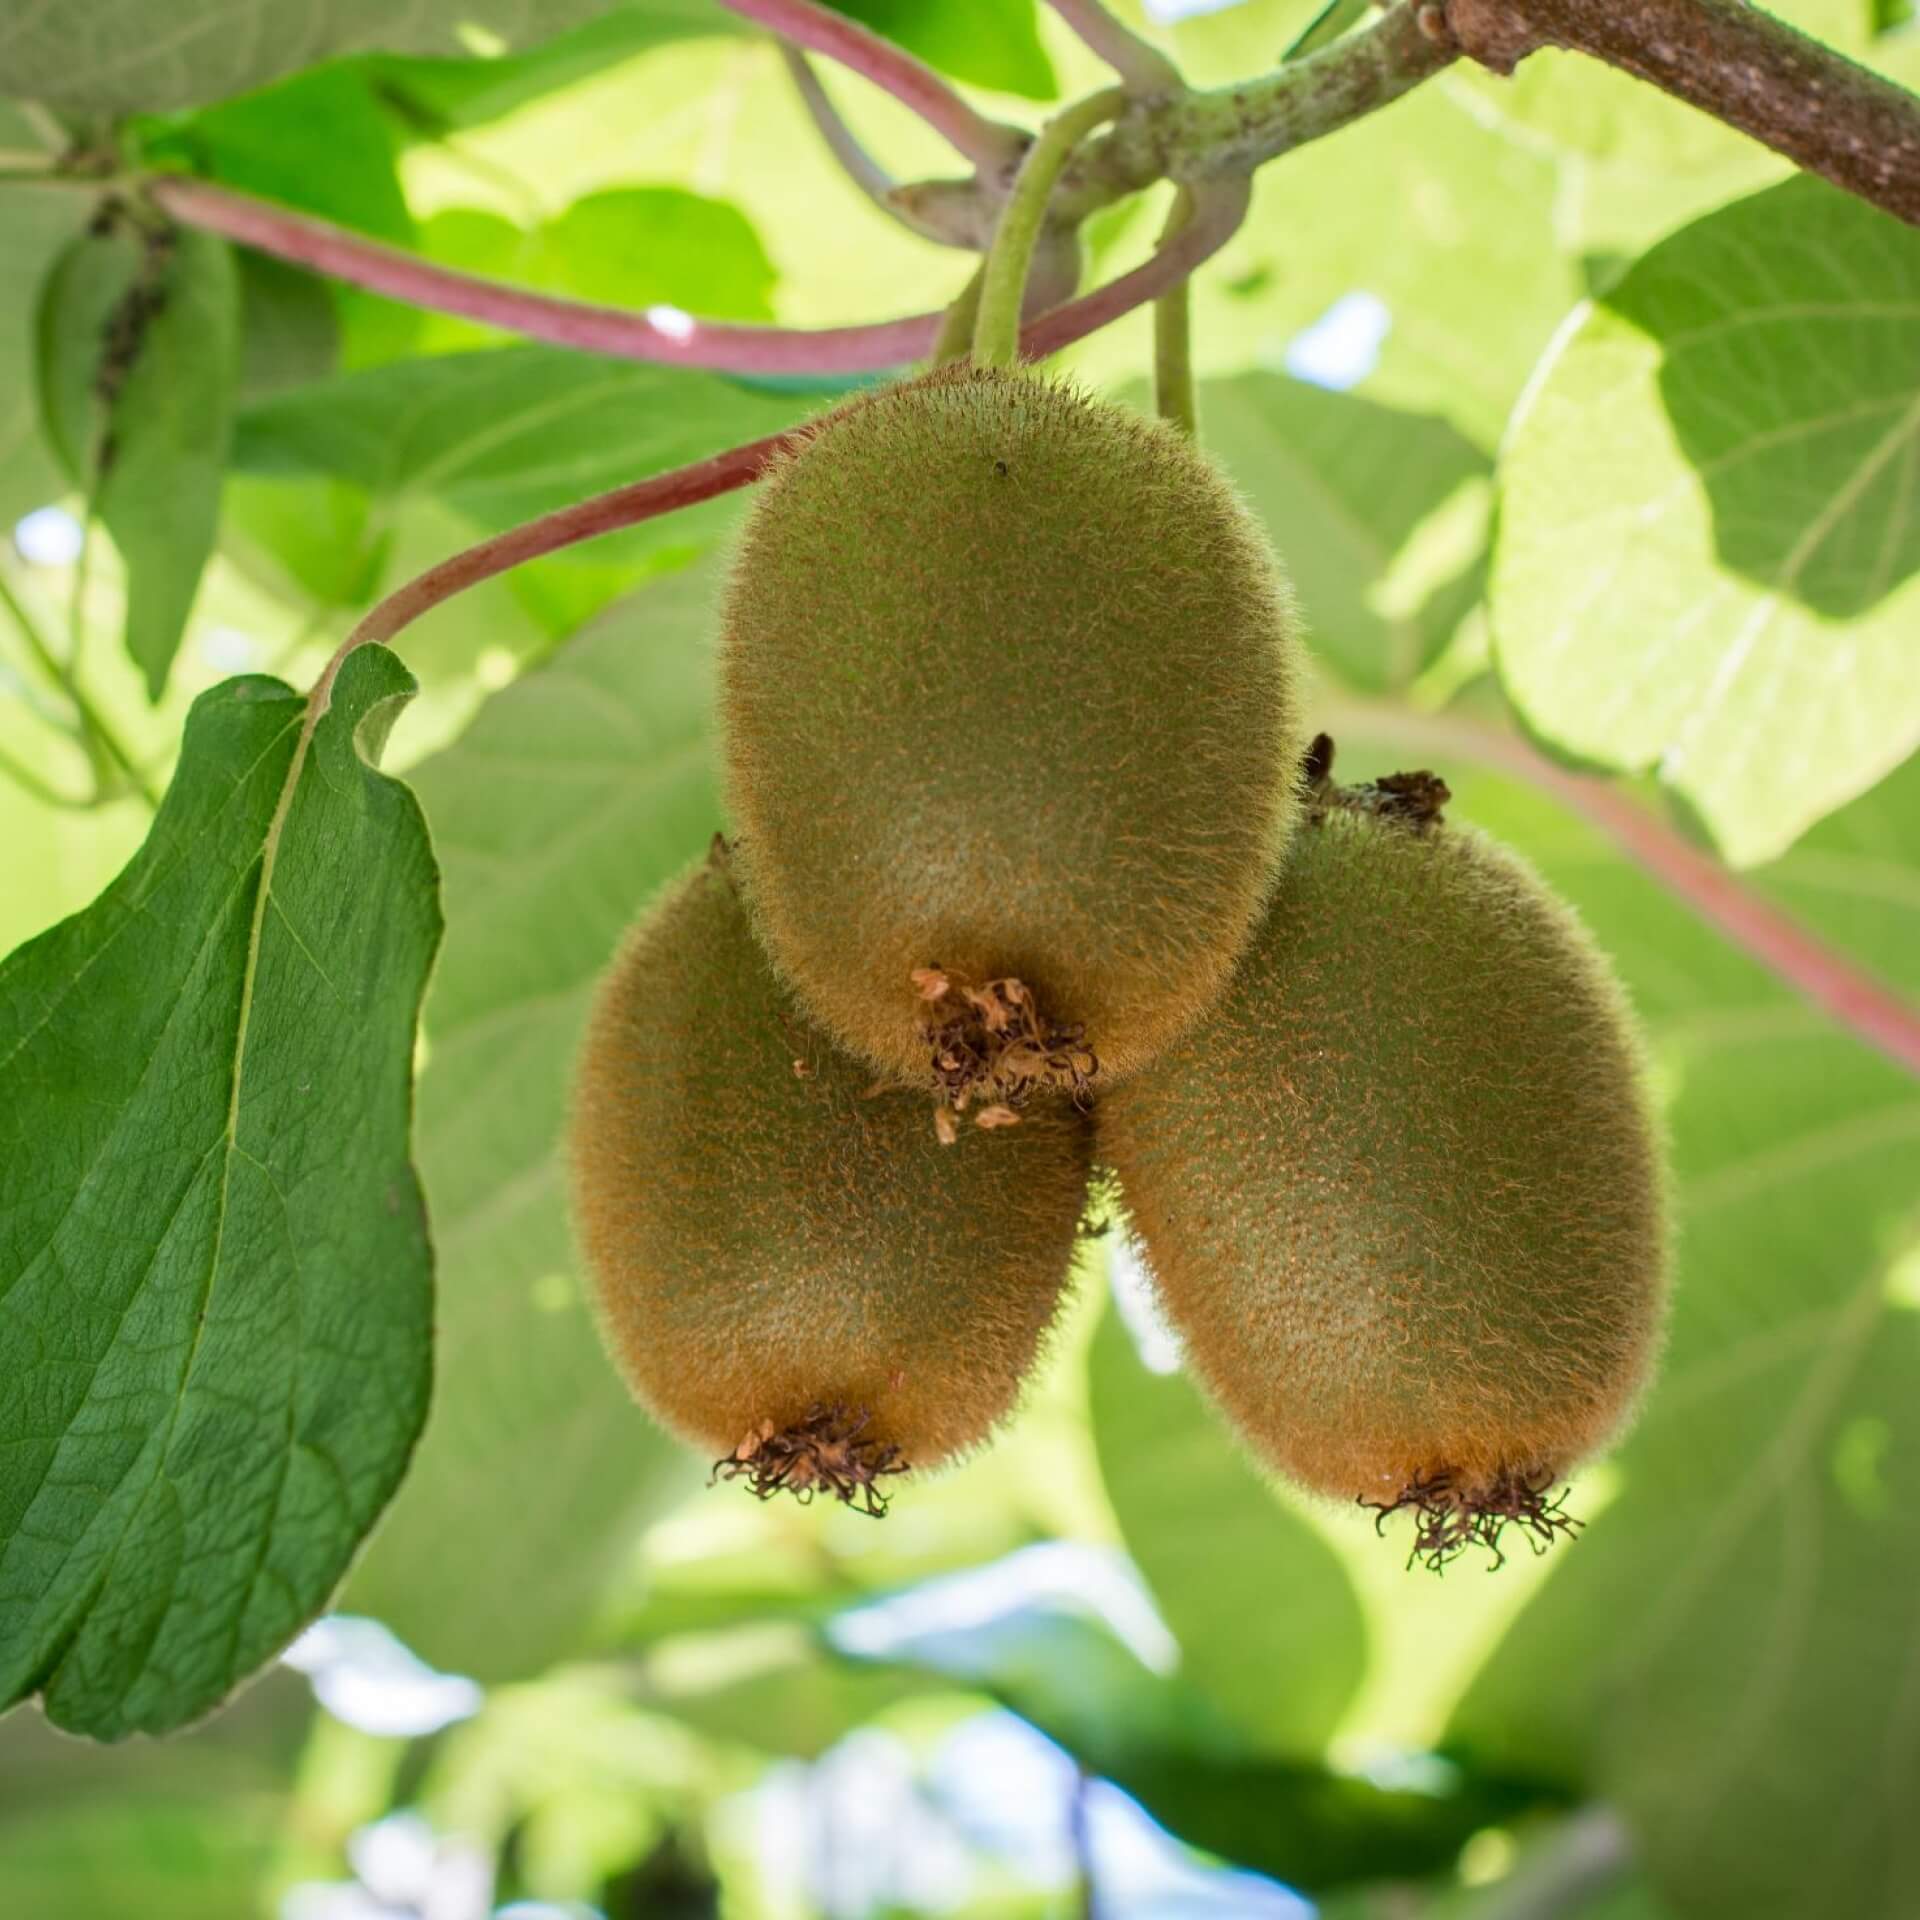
1009,684
789,1271
1401,1191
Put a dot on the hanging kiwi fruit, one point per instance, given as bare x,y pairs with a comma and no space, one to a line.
1401,1191
790,1271
1009,694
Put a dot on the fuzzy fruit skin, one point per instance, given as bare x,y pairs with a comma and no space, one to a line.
762,1243
1402,1191
1009,684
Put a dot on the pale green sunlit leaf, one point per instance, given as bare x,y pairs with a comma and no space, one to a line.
1710,518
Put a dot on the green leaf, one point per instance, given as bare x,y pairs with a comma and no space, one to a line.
214,1272
992,43
104,56
1398,207
1209,1538
37,225
572,797
1728,1651
633,247
1378,516
503,437
318,141
139,358
437,97
1856,876
1710,522
321,142
289,328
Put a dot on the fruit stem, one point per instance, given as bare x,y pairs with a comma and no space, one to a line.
1173,396
989,144
856,162
956,330
1142,68
1219,208
996,333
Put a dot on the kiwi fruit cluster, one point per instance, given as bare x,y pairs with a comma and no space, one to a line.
1032,878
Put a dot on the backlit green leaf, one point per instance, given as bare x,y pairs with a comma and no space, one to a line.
1710,518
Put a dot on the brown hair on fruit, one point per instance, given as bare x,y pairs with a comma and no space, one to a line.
790,1271
1009,689
1401,1191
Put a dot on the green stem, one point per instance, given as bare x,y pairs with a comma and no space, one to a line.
956,330
93,722
1173,396
996,334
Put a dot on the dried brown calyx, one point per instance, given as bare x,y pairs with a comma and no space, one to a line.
991,1049
826,1451
1417,800
1450,1517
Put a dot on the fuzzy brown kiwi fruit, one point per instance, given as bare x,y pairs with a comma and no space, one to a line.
1009,690
1402,1191
790,1272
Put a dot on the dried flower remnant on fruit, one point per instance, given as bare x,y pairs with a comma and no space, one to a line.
994,1044
825,1452
1450,1518
1417,799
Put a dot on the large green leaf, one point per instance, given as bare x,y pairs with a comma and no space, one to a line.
1349,492
1710,522
139,358
214,1272
116,56
570,799
1729,1652
436,97
1267,1624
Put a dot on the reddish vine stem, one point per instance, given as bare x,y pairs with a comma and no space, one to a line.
663,336
1735,62
585,520
1867,1007
987,143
